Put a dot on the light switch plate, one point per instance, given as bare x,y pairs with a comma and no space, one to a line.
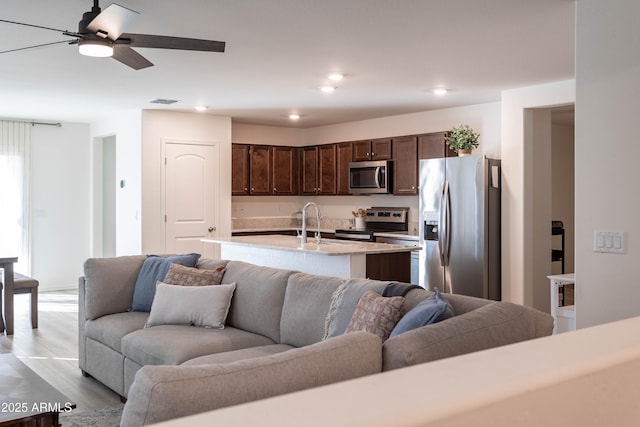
608,242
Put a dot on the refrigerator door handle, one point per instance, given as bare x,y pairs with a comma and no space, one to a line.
447,219
442,228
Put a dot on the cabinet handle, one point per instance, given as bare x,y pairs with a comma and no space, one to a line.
413,187
253,189
373,154
246,189
275,189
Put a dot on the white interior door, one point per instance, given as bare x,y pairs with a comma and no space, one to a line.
191,199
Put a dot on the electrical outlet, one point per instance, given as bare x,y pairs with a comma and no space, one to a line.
608,242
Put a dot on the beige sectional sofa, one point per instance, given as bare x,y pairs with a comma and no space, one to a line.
285,331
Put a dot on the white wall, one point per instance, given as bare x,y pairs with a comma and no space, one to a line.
60,204
188,127
127,128
517,185
267,135
607,152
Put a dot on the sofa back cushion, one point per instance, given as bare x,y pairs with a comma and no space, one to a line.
257,301
306,304
109,284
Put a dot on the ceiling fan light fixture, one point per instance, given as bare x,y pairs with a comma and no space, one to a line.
99,48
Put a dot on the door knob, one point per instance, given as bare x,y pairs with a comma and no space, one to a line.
211,229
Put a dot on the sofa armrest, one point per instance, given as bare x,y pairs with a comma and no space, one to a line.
492,325
161,393
109,284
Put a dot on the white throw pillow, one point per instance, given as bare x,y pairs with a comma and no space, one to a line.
206,306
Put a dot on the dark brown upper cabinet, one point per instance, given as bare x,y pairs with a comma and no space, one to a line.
319,169
285,170
239,169
344,156
405,165
260,170
433,146
375,149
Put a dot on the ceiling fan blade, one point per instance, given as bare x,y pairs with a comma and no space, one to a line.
168,42
123,53
31,25
112,21
35,46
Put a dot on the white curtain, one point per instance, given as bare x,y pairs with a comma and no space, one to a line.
15,142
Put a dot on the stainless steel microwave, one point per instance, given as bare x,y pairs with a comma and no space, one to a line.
370,177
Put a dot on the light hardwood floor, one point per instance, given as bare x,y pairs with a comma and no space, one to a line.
51,350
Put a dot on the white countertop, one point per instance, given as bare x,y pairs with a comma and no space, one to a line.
326,247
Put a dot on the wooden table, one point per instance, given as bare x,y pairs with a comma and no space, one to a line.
26,399
6,263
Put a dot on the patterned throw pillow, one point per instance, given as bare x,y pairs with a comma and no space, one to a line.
376,314
187,276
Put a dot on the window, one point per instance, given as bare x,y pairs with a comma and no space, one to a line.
15,138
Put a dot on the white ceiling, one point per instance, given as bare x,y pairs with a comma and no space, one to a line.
393,52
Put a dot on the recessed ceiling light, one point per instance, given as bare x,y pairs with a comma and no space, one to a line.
336,77
201,108
440,91
294,116
327,89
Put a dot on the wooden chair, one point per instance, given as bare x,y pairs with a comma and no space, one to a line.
26,285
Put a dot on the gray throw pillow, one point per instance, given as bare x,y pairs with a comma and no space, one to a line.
431,310
153,269
205,306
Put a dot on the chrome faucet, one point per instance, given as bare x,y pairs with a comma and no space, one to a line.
304,223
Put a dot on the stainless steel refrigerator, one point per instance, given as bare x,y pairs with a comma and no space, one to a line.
460,226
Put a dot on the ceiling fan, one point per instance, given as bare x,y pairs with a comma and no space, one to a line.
100,33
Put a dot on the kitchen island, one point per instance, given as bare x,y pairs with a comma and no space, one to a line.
339,258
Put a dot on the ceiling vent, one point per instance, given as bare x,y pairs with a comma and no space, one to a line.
163,101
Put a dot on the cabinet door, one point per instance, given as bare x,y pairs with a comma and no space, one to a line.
285,170
381,149
309,170
344,156
433,146
405,165
239,169
327,169
260,169
361,151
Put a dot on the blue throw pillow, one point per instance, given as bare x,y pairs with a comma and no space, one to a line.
431,310
153,269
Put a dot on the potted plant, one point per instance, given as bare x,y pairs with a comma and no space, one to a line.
462,139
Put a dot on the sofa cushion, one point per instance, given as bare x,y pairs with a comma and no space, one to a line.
306,304
109,284
152,397
110,329
344,301
376,314
186,276
175,344
191,305
433,309
242,354
257,302
155,269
